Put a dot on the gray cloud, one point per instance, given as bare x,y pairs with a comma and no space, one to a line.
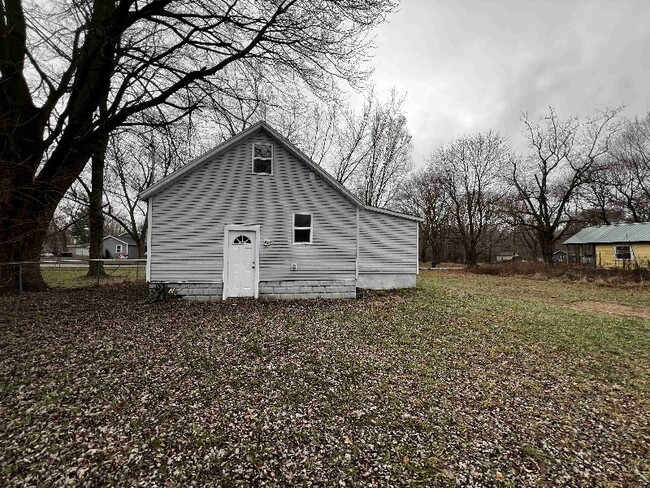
473,65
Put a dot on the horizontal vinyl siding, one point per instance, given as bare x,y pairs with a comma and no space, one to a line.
605,254
189,217
387,244
110,243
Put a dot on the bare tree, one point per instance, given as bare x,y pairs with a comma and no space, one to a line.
598,197
136,160
562,155
352,147
626,173
423,193
369,152
62,61
470,168
376,150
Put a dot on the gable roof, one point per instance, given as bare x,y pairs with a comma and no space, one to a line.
608,234
124,238
245,134
118,240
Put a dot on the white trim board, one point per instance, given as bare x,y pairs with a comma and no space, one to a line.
149,223
226,245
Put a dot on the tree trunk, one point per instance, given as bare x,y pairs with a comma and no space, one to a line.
471,256
546,241
23,232
142,242
423,244
95,213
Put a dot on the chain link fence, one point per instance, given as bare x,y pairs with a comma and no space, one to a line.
69,273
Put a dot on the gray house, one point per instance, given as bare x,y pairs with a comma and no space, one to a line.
260,219
122,246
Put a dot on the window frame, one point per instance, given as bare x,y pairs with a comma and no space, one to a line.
630,253
116,246
294,228
253,158
245,240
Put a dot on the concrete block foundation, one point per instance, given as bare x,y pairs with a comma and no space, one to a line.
386,281
270,290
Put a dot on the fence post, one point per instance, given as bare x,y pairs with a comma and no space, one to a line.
20,278
98,271
137,267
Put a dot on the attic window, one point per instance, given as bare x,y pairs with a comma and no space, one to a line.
623,252
302,228
262,159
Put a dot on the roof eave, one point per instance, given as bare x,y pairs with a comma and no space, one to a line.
393,213
313,166
192,165
224,146
117,239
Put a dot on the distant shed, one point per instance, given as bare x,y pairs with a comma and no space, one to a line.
122,246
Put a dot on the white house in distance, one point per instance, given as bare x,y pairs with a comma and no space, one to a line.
255,217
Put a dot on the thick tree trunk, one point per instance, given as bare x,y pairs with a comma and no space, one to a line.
95,213
471,255
546,241
23,232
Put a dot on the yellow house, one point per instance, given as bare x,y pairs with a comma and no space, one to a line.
613,246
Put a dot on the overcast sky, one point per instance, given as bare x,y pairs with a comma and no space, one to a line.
469,65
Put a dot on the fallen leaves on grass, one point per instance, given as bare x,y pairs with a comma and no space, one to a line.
394,389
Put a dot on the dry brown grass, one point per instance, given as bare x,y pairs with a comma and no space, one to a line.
616,276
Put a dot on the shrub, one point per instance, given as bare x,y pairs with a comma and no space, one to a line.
160,293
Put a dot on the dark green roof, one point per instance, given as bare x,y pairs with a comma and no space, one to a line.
608,234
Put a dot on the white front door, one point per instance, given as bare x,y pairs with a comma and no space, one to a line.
240,279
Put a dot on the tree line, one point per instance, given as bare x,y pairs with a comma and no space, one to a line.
479,197
101,98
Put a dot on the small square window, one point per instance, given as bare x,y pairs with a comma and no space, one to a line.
118,248
302,228
263,151
623,252
302,235
262,159
302,220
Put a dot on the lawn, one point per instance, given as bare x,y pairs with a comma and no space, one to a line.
61,276
471,380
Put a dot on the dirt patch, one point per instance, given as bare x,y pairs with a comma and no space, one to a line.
613,309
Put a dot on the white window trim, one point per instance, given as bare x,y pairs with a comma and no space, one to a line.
294,228
116,246
623,259
264,159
